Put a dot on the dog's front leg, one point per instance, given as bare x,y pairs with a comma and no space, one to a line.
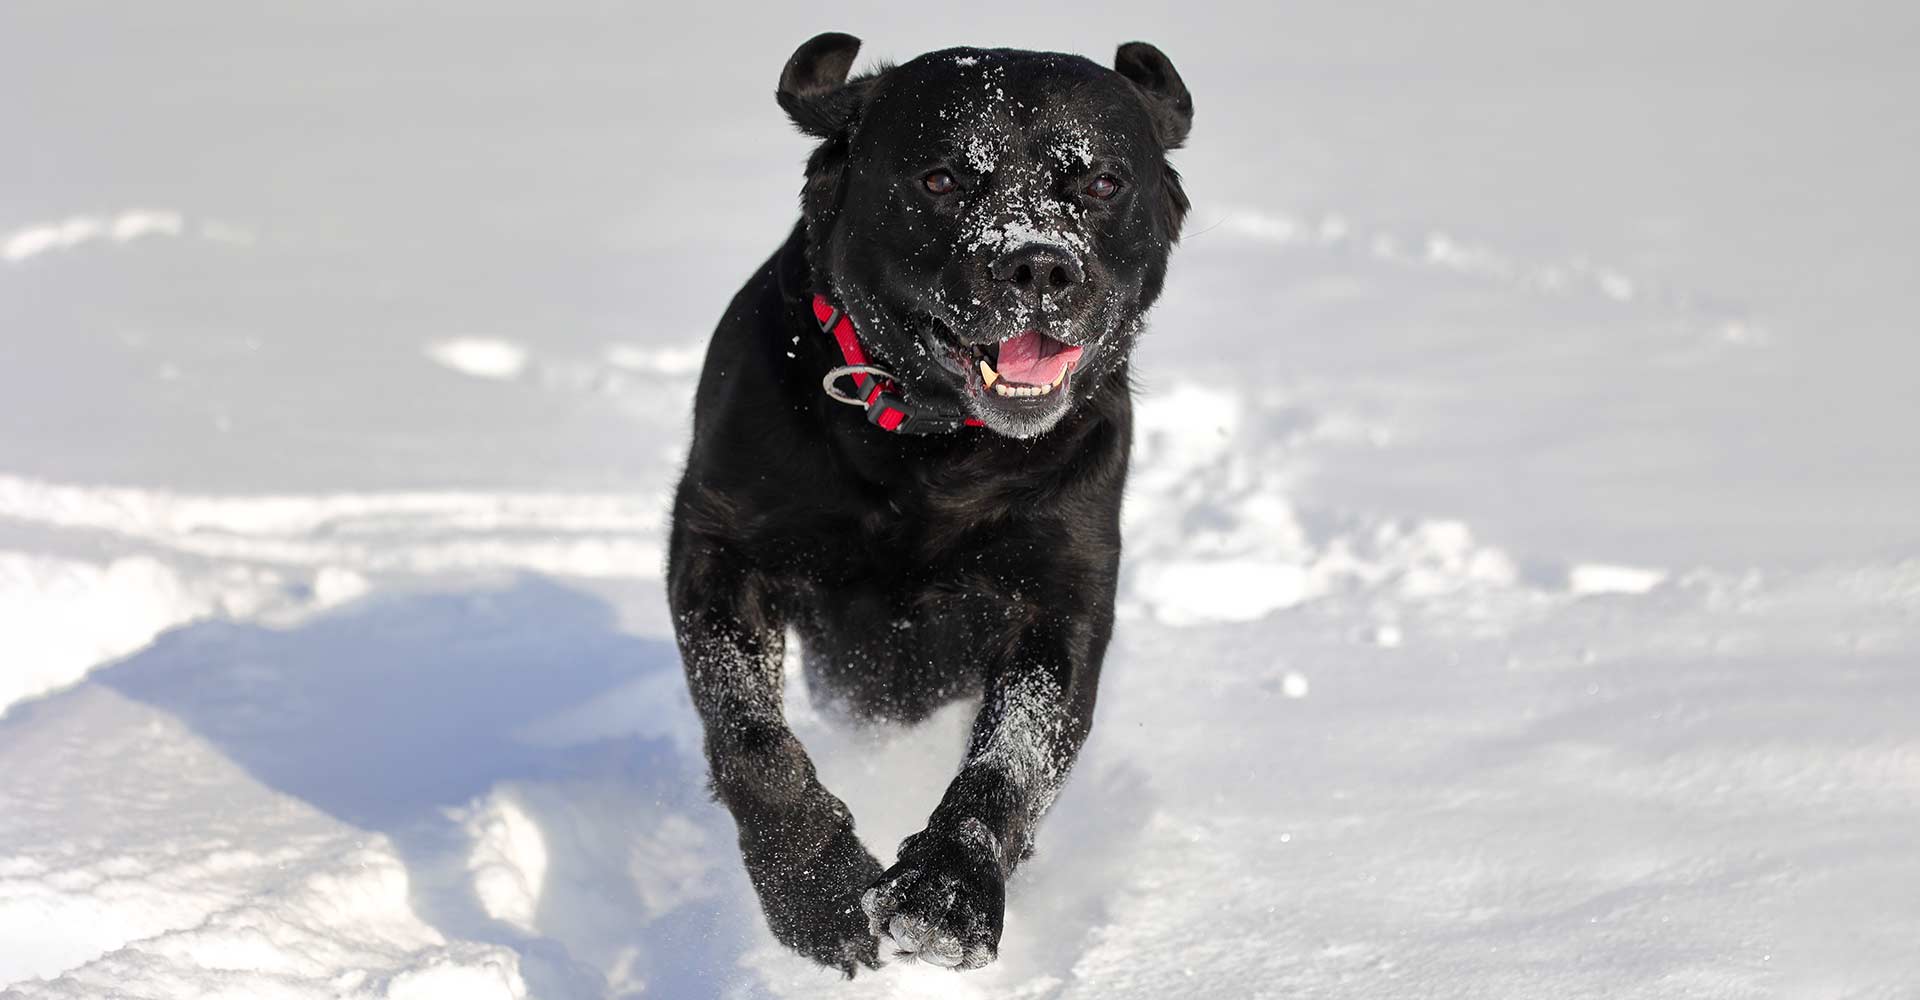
796,838
944,900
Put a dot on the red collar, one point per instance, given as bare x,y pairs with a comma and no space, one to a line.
886,407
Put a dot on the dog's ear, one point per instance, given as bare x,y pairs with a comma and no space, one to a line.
1167,97
813,88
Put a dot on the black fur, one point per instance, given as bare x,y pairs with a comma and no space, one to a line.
920,570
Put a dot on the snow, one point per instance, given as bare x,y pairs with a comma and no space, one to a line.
480,357
1599,578
681,359
1522,584
17,245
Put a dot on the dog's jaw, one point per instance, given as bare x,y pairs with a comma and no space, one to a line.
1020,410
1007,407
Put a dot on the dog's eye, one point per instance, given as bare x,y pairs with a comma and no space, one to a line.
940,182
1103,187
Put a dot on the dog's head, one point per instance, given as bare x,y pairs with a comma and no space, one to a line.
996,222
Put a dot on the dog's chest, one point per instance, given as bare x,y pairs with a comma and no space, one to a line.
898,641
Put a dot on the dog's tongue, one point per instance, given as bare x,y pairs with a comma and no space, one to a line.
1033,358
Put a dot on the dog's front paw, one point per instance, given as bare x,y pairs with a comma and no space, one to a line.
944,900
812,900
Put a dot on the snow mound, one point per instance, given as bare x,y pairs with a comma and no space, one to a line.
1213,533
274,557
64,616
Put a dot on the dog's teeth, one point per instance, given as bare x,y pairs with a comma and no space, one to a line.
1057,379
1000,387
987,373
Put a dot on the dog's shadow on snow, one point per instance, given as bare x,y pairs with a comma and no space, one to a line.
537,769
539,772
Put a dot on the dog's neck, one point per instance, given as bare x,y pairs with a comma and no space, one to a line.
802,288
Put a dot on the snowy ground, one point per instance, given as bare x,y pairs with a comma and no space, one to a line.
1523,582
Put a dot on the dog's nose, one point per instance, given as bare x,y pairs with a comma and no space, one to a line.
1040,269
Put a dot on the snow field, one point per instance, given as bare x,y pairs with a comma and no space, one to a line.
1522,584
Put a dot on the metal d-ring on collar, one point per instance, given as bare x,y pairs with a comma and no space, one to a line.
886,407
836,374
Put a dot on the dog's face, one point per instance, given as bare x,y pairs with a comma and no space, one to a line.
996,222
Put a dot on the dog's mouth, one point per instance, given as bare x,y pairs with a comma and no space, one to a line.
1025,365
1018,385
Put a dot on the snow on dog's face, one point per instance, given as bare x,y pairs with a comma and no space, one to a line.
996,221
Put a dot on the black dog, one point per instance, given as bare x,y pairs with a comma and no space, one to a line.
982,232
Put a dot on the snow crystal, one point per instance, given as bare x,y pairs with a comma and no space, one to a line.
1072,146
1028,719
981,152
1016,233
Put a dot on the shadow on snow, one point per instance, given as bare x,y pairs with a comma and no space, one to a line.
397,715
415,715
